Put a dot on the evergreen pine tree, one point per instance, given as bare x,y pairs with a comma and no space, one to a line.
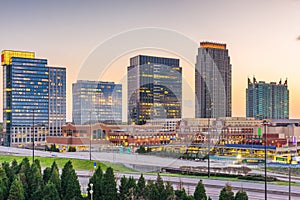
4,184
35,182
71,188
181,195
9,173
226,193
109,186
64,177
140,188
46,175
123,188
24,175
151,191
160,187
96,180
131,185
54,177
241,195
170,191
50,192
16,191
200,192
15,166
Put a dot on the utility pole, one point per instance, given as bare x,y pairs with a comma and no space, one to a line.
33,138
265,123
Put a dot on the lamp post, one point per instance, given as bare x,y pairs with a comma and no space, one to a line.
91,191
290,162
33,138
90,135
208,160
265,123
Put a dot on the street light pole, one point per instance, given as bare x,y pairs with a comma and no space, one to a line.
290,178
90,136
208,160
265,123
33,138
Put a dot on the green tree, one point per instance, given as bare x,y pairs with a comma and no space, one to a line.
70,184
241,195
200,192
160,187
96,180
38,164
151,191
54,177
140,188
24,175
170,191
226,193
46,175
109,186
15,166
16,191
9,173
131,185
181,194
4,185
123,188
50,192
64,177
35,182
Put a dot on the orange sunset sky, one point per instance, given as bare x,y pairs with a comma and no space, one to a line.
263,38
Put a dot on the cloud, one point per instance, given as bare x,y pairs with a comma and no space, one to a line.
298,38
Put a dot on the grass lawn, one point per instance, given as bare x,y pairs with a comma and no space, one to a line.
77,163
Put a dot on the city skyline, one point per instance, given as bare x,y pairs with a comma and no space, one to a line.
262,37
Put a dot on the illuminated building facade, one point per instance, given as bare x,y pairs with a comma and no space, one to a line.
57,99
267,100
97,101
212,81
26,91
154,88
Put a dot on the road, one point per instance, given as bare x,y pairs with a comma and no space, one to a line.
213,187
254,190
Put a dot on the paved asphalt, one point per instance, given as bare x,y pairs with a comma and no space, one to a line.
255,190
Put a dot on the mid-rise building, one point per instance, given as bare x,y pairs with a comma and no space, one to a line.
212,81
97,101
154,88
34,98
267,100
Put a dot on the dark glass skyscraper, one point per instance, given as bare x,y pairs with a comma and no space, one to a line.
154,88
212,81
97,101
267,100
26,98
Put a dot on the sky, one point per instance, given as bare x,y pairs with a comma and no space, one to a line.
263,38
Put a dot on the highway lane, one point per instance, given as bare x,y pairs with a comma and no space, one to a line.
213,187
276,191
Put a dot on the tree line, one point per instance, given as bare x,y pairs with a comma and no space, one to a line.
25,181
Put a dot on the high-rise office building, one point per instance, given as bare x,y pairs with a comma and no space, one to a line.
267,100
33,98
57,100
97,101
154,88
212,81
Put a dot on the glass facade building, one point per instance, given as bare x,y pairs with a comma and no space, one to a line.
212,81
154,88
57,100
97,101
267,100
26,97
